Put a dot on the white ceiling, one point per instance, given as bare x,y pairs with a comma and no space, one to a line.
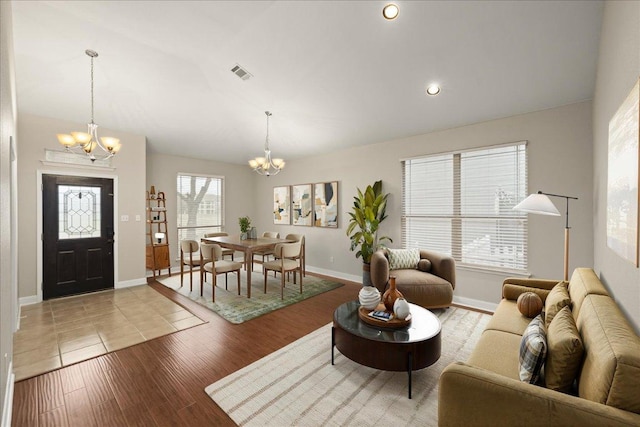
334,74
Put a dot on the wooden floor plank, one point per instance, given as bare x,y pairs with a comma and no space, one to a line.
79,409
25,403
50,393
173,369
71,378
54,418
109,414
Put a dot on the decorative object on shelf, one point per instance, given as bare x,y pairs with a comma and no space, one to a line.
85,143
369,297
529,304
401,308
152,192
159,237
266,165
369,210
623,183
541,204
281,205
391,295
325,195
245,226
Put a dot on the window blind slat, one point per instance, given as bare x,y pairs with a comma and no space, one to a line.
461,204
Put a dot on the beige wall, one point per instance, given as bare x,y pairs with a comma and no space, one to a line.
8,236
36,135
162,171
618,71
559,162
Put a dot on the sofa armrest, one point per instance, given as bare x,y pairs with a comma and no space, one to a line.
379,269
472,396
441,265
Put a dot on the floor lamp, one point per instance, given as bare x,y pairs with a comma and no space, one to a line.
540,203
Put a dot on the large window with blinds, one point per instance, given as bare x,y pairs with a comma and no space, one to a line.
200,205
460,203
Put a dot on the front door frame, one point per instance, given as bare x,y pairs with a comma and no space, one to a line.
40,228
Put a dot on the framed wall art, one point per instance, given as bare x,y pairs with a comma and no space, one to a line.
325,209
301,206
622,183
281,205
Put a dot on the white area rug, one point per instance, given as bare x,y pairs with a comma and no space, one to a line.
298,386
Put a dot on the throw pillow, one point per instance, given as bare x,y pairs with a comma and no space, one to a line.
424,265
557,299
403,258
533,350
564,352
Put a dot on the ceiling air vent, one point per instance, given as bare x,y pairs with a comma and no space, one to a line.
241,72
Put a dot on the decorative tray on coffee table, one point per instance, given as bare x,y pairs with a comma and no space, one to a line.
394,323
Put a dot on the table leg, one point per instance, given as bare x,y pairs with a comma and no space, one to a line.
333,341
409,368
249,260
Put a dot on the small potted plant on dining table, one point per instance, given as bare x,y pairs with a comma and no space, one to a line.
245,226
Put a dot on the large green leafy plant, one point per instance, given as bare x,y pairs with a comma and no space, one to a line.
369,210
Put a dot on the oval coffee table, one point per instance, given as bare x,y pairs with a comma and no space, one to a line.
410,348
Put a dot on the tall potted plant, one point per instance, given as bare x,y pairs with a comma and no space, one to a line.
368,211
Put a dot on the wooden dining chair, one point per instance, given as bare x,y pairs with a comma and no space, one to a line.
225,251
189,255
266,252
288,259
215,266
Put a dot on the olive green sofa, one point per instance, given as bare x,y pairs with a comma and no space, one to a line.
486,389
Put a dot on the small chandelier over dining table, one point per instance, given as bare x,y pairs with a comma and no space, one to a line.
266,165
86,143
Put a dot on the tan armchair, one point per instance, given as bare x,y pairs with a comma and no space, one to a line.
288,259
216,265
430,286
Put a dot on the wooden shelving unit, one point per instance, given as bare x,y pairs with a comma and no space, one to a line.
157,252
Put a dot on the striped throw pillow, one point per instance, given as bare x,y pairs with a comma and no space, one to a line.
403,258
533,350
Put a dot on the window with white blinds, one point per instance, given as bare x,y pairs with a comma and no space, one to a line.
200,205
461,204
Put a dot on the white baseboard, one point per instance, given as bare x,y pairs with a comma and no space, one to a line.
130,283
475,303
32,299
7,407
336,274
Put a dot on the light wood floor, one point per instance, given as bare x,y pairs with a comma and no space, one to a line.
161,382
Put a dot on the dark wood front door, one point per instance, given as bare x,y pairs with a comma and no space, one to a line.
77,235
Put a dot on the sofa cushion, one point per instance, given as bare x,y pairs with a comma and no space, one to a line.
533,351
512,291
403,258
507,318
424,265
497,352
611,368
584,282
556,300
564,352
424,289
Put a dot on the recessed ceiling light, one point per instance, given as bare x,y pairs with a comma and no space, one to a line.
390,11
433,89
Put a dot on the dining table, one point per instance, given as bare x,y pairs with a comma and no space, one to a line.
246,246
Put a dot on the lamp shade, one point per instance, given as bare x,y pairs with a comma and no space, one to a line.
537,204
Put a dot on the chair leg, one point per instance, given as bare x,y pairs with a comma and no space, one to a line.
190,277
181,272
238,274
300,279
213,290
226,288
265,280
282,285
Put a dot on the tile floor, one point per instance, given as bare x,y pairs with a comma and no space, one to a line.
64,331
